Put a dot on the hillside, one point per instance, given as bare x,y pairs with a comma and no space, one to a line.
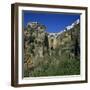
50,54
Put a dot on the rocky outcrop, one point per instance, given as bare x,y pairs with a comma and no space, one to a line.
35,42
68,40
38,44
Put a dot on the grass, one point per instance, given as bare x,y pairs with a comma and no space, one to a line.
54,65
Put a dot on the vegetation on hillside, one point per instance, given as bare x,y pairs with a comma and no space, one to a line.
42,60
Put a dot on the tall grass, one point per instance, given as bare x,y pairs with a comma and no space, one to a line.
54,65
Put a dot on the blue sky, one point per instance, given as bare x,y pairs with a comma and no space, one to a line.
54,22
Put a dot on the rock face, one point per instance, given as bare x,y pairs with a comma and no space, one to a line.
35,42
68,40
71,32
38,44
